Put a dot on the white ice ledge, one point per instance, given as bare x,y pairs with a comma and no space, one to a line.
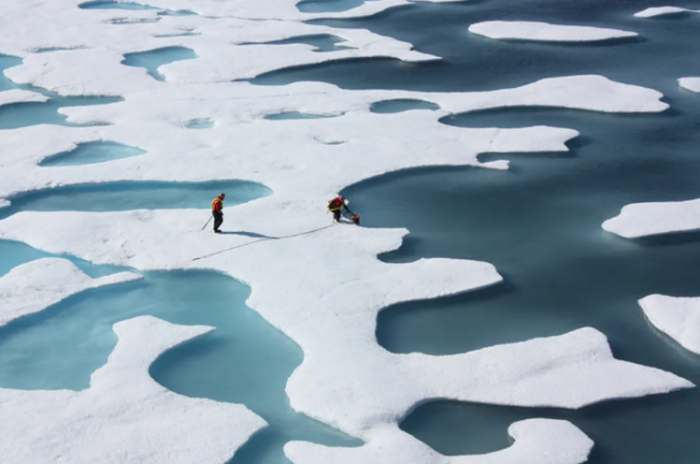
9,97
644,219
545,32
662,11
679,318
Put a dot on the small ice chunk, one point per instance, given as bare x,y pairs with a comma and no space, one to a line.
643,219
690,83
545,32
662,11
679,318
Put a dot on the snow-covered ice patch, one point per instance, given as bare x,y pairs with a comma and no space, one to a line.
690,83
124,416
36,285
536,441
658,11
545,32
643,219
679,318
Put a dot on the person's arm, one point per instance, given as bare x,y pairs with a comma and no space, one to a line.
347,209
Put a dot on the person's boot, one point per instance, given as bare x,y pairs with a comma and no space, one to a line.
216,231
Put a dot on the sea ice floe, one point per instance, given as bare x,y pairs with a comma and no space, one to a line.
322,285
545,32
34,286
536,441
690,83
124,416
679,318
9,97
644,219
654,12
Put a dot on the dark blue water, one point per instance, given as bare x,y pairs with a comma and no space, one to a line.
328,6
112,5
153,59
125,196
91,153
296,115
32,113
539,222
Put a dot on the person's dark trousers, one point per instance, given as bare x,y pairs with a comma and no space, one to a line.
218,220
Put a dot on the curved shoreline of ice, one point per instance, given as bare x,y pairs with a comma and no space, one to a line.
546,32
124,416
536,441
638,220
679,318
36,285
690,83
657,11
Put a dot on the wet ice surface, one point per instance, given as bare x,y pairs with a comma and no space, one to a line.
153,59
92,152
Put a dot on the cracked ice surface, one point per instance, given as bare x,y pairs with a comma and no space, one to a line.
545,32
643,219
124,416
679,318
297,284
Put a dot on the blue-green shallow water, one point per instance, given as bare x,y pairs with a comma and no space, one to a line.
91,153
125,196
244,361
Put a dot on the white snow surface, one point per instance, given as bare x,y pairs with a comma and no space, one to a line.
545,32
124,416
537,441
34,286
643,219
323,289
9,97
654,12
690,83
679,318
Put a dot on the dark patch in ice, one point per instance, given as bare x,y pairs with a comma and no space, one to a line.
401,105
56,49
200,124
321,42
287,115
91,153
114,5
151,60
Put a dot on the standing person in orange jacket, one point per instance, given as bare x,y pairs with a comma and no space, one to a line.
217,210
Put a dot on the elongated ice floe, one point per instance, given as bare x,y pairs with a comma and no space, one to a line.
545,32
536,441
690,83
679,318
644,219
9,97
654,12
33,286
124,416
